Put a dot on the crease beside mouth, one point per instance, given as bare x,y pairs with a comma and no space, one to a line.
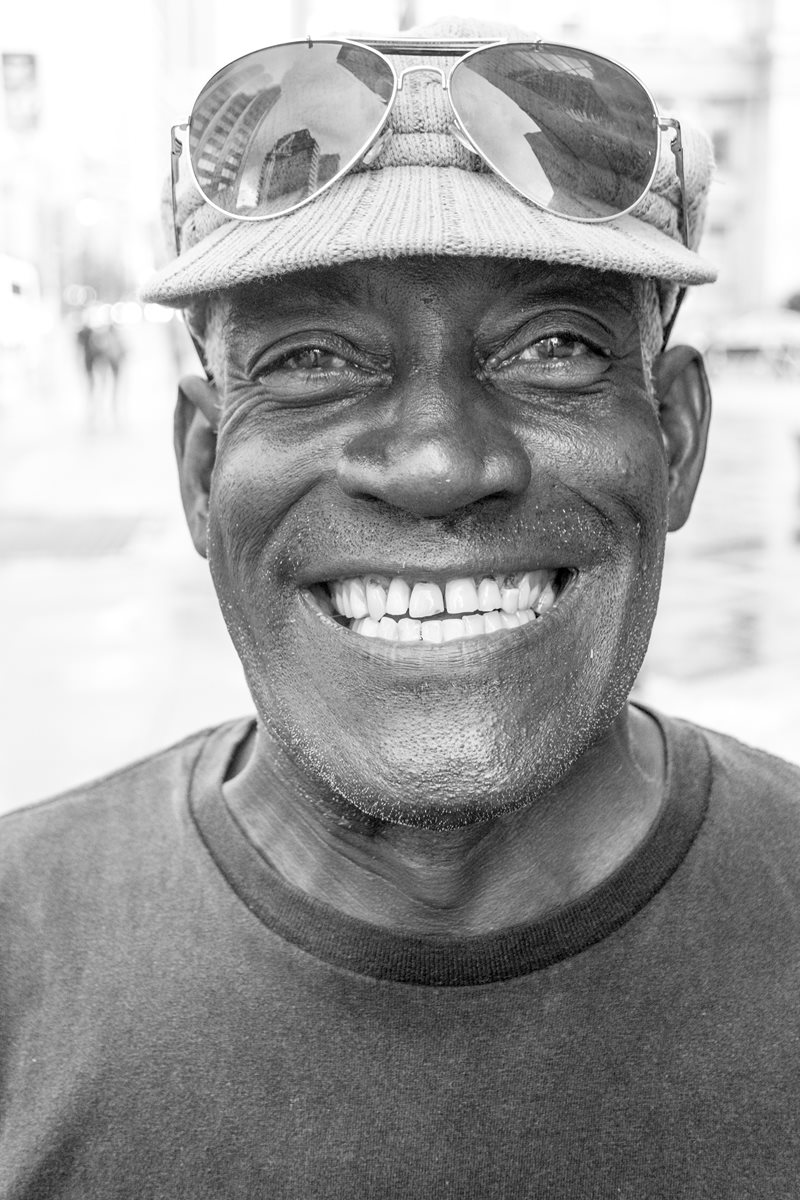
396,609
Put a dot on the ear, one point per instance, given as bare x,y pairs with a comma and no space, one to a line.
195,438
684,399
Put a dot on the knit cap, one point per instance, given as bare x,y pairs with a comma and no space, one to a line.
426,194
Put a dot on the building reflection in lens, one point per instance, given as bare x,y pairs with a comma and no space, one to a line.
277,126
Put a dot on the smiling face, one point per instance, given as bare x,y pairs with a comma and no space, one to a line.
436,524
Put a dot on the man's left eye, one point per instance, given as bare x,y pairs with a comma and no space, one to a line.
555,346
560,361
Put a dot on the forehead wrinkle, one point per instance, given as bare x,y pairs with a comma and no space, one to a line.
541,277
351,287
374,279
296,291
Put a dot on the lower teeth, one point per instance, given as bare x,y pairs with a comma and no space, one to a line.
449,629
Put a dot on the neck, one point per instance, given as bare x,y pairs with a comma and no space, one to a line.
469,880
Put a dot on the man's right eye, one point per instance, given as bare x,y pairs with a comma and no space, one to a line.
312,372
310,358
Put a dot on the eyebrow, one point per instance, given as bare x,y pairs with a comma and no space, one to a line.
335,290
552,283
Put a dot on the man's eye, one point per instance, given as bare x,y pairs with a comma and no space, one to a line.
311,372
310,358
556,346
562,361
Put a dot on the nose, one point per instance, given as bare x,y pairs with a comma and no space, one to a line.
436,451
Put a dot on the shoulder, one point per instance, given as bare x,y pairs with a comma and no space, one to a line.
753,797
748,776
107,816
735,768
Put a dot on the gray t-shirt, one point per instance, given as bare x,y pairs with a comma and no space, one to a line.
177,1021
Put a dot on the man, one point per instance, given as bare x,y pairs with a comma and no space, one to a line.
451,917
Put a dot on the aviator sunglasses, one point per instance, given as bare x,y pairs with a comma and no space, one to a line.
573,132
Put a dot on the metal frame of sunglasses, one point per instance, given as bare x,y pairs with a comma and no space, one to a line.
373,143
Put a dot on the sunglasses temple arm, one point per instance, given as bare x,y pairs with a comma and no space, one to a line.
674,316
201,354
175,159
175,162
676,145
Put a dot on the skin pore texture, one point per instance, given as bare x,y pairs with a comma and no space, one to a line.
435,421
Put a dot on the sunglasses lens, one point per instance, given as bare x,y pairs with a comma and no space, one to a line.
275,127
574,132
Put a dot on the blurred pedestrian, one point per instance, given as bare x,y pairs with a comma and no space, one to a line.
103,354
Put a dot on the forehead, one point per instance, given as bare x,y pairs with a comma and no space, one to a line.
465,285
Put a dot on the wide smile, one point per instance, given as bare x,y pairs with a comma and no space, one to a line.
398,609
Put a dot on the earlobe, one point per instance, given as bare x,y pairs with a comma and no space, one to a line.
195,439
684,398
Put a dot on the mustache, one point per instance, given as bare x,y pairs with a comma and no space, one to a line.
311,544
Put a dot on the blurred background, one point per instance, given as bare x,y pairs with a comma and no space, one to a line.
112,644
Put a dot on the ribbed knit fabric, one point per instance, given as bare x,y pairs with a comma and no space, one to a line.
426,194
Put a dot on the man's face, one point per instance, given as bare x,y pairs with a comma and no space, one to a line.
467,432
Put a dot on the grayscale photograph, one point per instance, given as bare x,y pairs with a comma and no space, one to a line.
400,595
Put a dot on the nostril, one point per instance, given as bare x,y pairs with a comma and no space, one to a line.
498,495
361,494
431,471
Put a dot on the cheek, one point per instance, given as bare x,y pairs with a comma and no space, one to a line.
638,494
637,487
626,456
256,483
622,475
248,499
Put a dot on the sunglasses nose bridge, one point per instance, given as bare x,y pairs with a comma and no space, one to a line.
401,75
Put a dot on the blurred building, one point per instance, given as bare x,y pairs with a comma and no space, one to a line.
78,131
733,67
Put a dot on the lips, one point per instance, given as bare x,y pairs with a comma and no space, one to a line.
397,609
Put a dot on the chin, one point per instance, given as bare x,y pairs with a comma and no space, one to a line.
440,768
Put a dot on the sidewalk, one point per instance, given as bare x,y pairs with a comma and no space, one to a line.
113,645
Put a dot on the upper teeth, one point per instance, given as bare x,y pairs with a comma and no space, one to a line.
372,601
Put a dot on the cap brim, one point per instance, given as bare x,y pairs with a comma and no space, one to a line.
409,210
